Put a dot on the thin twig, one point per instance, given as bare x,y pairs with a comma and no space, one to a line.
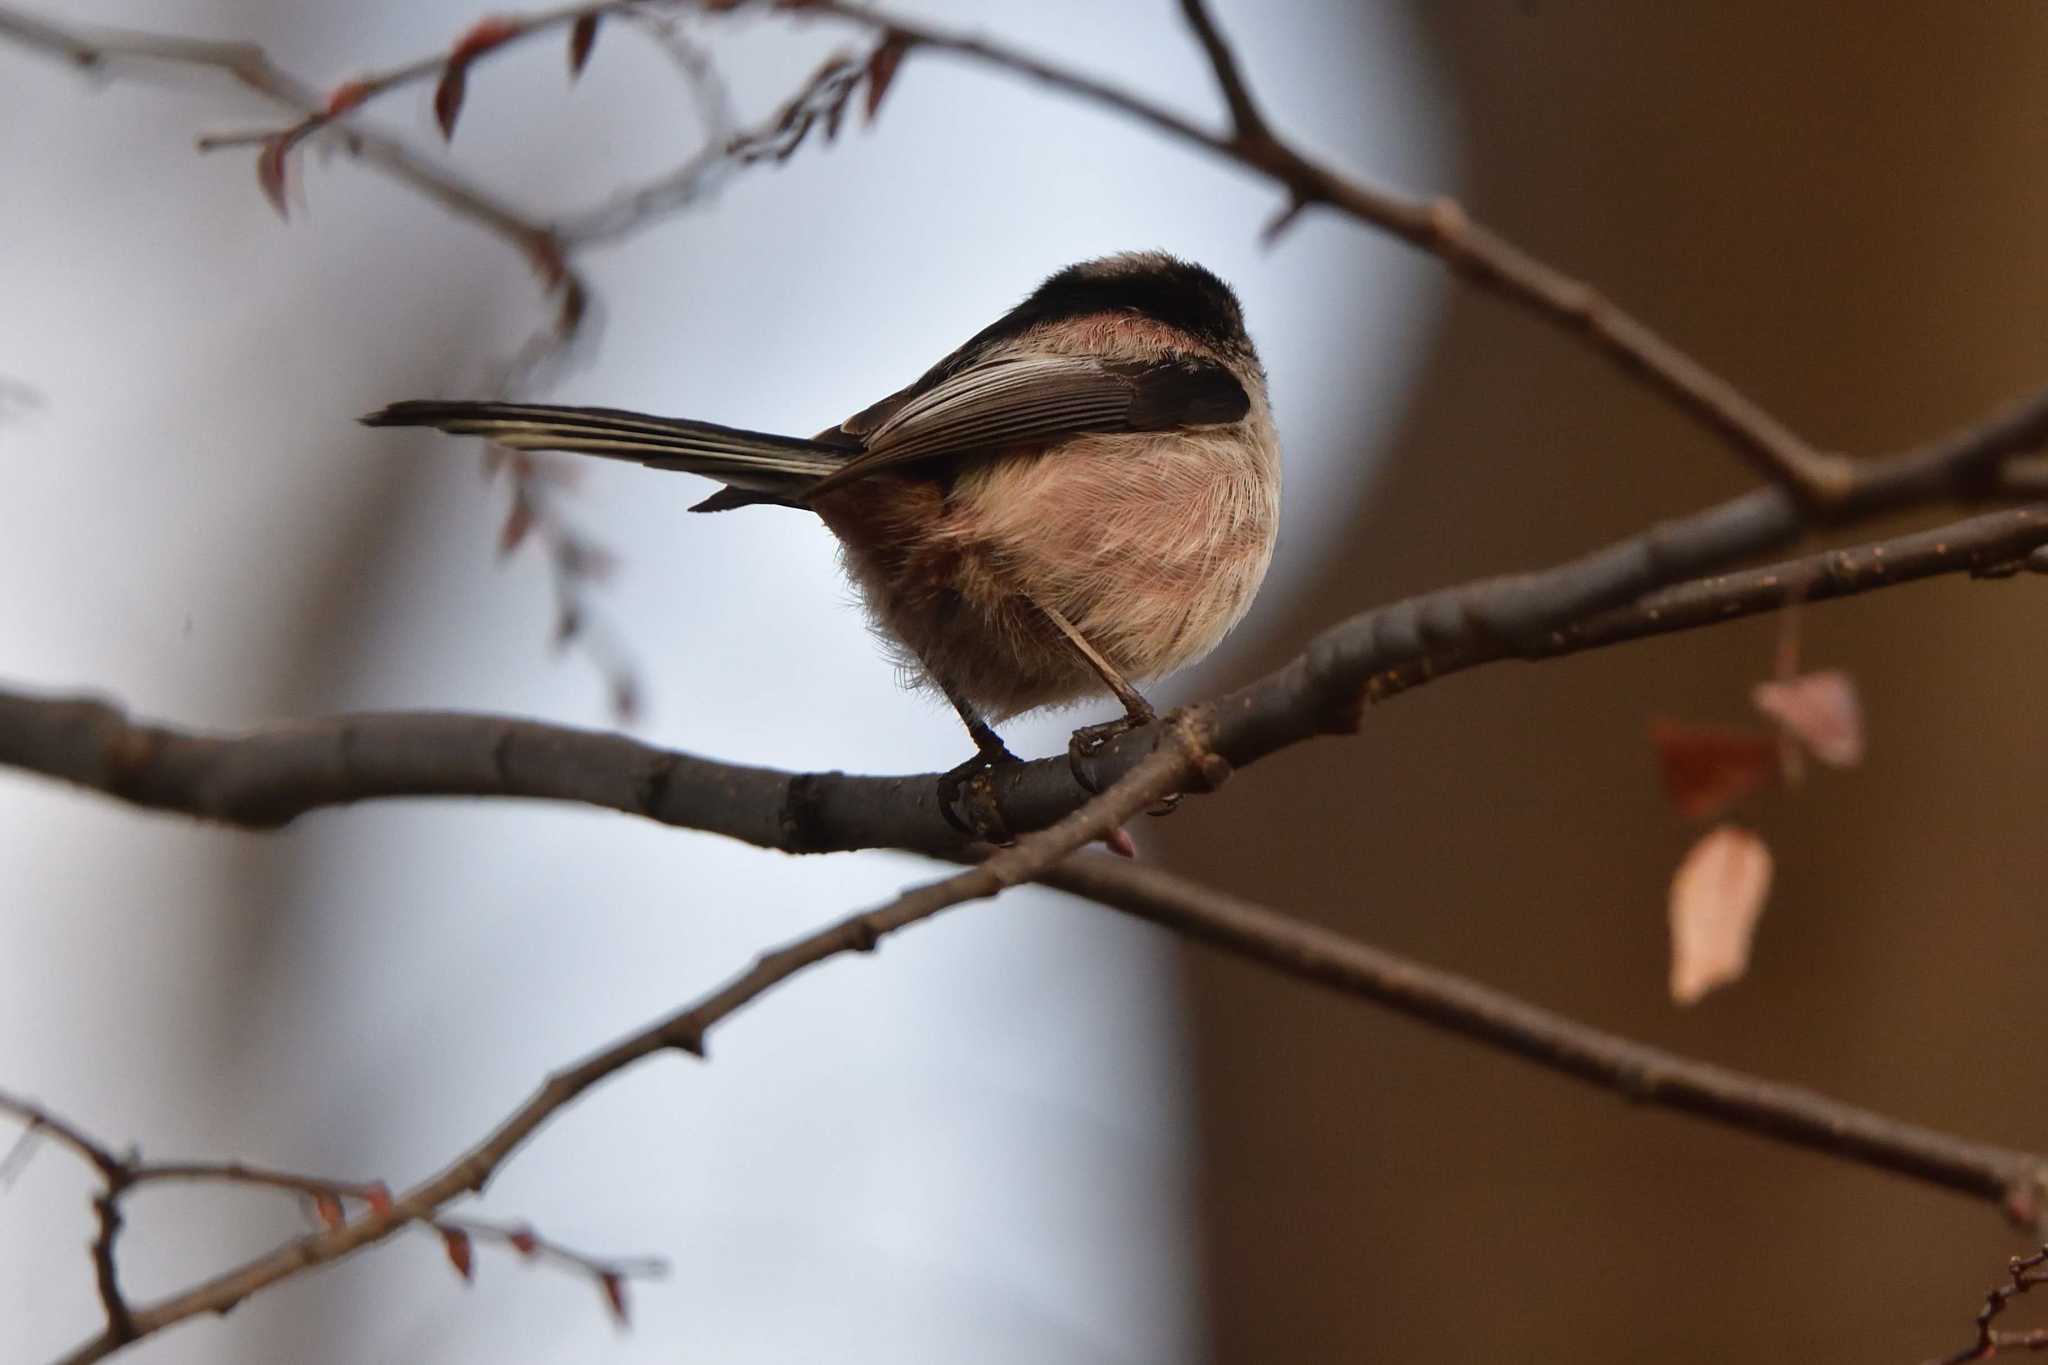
1640,1073
1819,480
119,1176
1171,768
2024,1274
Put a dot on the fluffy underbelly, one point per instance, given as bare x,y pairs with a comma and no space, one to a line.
1151,546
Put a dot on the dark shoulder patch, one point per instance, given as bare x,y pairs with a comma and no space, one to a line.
1183,392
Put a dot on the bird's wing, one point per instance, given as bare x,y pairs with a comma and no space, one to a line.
1029,400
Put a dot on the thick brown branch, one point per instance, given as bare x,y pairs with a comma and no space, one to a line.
1646,1075
268,777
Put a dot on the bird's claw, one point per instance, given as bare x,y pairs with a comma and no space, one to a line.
967,798
1089,741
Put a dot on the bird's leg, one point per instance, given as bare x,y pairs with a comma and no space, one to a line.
1087,741
966,797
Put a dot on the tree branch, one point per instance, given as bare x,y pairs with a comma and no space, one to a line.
121,1175
2017,1181
265,778
103,50
1817,479
1171,768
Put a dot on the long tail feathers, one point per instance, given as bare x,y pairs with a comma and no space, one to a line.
752,462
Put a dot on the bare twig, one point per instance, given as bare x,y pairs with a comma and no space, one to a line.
121,1175
1643,1074
1818,479
1247,124
2025,1273
1173,767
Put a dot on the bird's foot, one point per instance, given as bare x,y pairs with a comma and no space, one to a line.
967,796
1088,742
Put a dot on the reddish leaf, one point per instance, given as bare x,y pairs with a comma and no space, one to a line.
270,172
614,1286
1707,768
582,34
519,519
378,1197
1120,842
328,1209
1716,896
485,34
459,1251
347,96
1820,710
448,95
523,1241
882,65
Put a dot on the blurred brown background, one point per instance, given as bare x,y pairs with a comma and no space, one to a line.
1839,206
976,1145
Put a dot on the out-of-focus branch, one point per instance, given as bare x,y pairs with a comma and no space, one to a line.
1818,479
105,52
1646,1075
1175,767
265,778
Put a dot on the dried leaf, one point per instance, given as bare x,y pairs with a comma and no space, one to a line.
347,96
523,1241
1708,768
582,34
519,519
448,95
614,1286
329,1211
1821,710
485,34
882,66
378,1197
1717,895
460,1252
270,173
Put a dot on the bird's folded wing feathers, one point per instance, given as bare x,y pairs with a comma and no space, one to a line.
1032,400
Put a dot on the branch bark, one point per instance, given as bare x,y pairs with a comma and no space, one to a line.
1170,769
2012,1179
265,778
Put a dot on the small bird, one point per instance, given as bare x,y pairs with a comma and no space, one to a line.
1085,493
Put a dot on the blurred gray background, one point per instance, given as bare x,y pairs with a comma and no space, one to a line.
1029,1132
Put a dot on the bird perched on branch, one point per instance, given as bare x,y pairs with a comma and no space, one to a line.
1085,493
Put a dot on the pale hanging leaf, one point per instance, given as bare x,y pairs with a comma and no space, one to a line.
1820,710
1717,896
